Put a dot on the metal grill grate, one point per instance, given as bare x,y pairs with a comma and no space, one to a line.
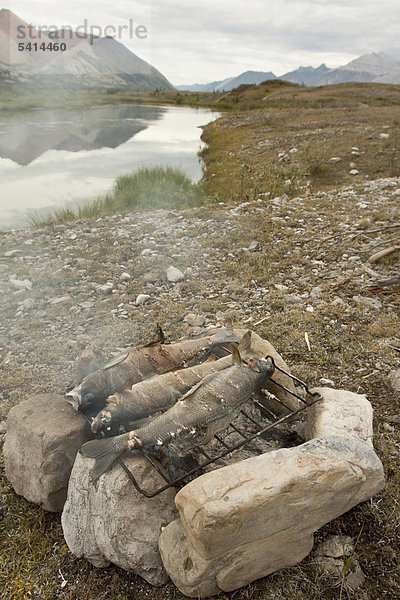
246,427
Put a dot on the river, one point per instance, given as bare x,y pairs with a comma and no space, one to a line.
53,158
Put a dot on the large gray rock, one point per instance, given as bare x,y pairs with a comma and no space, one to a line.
44,434
109,521
244,521
340,412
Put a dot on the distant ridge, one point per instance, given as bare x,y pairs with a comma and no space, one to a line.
226,85
87,61
377,67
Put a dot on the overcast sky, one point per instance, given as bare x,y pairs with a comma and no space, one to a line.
213,39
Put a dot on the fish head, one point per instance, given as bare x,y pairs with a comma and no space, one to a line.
102,422
88,394
74,397
261,365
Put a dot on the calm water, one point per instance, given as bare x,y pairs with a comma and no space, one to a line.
50,158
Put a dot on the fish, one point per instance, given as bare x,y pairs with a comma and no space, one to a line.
139,363
157,393
207,408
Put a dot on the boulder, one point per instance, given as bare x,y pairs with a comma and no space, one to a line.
44,434
340,412
244,521
108,521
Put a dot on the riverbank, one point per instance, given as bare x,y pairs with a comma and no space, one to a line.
282,266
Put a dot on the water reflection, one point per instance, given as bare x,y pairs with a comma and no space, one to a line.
56,158
26,136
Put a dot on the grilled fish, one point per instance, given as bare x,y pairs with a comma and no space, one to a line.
206,409
156,394
138,363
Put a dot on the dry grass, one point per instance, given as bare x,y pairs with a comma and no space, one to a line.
285,146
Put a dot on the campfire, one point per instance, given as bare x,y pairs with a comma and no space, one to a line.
213,513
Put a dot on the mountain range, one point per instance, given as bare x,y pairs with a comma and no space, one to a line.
84,61
377,67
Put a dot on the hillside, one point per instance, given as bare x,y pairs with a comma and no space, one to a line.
87,61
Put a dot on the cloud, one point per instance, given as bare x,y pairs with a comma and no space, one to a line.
212,40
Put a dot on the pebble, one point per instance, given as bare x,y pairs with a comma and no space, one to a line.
12,253
293,299
325,381
388,428
20,284
125,277
384,136
281,287
254,246
147,252
142,299
338,302
195,320
59,299
335,159
106,288
174,275
354,172
316,292
3,427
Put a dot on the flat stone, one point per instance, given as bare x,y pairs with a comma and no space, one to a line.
237,525
21,284
44,434
195,320
174,275
340,412
109,521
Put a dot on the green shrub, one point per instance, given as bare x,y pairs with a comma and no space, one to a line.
148,188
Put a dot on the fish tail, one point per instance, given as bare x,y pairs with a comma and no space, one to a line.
105,452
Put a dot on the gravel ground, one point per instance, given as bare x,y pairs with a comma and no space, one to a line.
283,267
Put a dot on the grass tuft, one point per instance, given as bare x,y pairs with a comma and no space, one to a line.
148,188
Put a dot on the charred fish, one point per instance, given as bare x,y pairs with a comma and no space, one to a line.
206,409
158,393
139,363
